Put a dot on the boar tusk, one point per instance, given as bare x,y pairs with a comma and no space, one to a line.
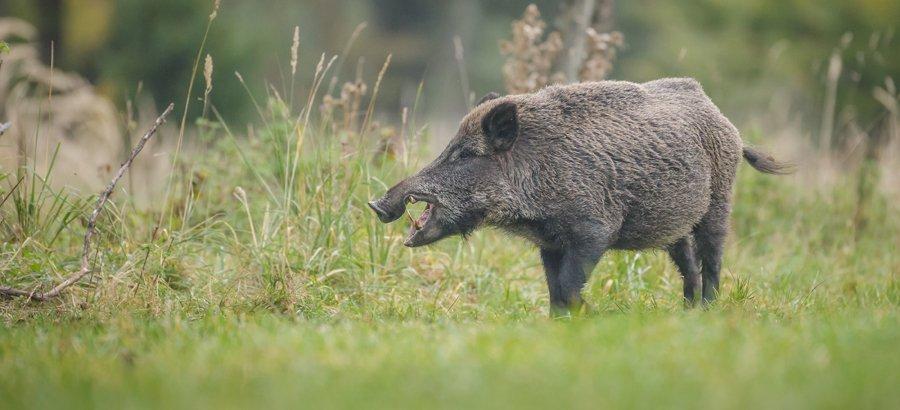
413,220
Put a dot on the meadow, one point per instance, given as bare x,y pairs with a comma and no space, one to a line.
261,278
250,299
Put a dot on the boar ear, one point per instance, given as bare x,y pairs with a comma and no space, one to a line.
501,126
487,97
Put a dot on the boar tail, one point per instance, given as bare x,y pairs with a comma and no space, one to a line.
763,162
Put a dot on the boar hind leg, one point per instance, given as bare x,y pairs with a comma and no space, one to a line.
710,239
683,254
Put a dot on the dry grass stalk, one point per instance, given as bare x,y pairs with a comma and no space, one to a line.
215,10
187,104
259,111
343,57
533,61
601,53
4,48
459,56
302,121
318,79
529,56
367,120
344,110
400,143
207,74
835,66
392,143
91,226
207,78
295,50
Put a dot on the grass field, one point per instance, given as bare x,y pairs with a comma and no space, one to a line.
287,292
260,278
726,358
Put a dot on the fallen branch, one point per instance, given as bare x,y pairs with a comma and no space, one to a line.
92,220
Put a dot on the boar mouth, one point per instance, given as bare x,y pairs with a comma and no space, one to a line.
426,228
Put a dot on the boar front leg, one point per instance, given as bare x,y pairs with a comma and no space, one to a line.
574,266
552,259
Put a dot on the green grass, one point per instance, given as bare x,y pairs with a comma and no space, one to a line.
729,358
310,302
269,282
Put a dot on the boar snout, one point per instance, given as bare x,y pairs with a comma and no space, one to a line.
387,210
392,205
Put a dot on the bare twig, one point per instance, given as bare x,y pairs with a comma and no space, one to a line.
92,220
368,117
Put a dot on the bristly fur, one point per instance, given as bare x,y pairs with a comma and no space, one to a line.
582,168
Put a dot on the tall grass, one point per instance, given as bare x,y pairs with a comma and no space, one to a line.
273,220
270,232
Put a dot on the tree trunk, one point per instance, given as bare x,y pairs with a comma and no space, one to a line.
577,16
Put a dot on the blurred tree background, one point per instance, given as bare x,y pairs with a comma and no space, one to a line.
751,55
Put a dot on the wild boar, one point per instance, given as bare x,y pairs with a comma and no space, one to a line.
580,169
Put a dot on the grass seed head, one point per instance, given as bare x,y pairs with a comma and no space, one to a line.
529,56
295,50
207,73
215,11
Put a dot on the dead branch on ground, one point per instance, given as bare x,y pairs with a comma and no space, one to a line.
92,220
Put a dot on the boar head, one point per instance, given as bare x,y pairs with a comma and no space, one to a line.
466,181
